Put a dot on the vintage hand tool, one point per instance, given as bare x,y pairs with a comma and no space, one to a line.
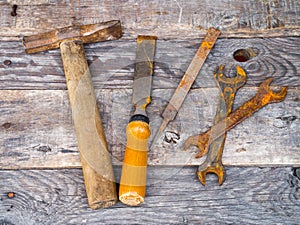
134,170
263,97
228,88
187,80
94,155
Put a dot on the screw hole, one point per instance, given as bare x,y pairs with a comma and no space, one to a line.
7,62
6,125
243,55
14,10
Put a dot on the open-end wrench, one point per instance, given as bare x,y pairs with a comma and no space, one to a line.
263,97
228,88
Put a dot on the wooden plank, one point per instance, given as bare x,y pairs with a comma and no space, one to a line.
165,18
37,132
112,63
248,196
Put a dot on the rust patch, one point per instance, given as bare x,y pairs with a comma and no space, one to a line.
11,194
110,30
207,44
263,97
228,89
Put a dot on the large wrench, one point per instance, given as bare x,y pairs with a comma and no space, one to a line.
263,97
228,88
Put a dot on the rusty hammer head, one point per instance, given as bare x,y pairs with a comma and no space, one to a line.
110,30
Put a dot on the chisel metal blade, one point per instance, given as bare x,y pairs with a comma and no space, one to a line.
142,83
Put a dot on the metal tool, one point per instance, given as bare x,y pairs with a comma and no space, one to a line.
134,170
228,88
263,97
187,80
95,157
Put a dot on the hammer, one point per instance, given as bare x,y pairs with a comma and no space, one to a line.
94,155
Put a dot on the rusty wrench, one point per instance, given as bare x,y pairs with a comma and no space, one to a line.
263,97
228,88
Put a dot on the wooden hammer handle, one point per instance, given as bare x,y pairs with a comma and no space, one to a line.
95,158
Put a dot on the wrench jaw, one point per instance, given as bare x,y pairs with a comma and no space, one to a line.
233,82
201,141
228,87
215,168
268,96
219,73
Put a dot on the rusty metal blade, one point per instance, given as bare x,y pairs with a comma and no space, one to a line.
105,31
143,72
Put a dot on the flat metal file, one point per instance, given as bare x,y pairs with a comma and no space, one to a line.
187,81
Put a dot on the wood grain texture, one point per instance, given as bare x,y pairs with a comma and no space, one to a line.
174,196
37,132
112,63
36,128
163,18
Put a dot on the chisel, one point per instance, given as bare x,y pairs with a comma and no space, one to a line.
134,169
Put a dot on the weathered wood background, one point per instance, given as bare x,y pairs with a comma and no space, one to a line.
39,163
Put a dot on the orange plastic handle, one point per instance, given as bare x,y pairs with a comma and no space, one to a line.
134,170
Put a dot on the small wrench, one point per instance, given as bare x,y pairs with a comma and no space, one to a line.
228,88
263,97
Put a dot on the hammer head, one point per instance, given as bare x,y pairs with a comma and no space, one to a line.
105,31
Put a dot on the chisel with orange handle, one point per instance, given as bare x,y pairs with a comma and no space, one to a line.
134,170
